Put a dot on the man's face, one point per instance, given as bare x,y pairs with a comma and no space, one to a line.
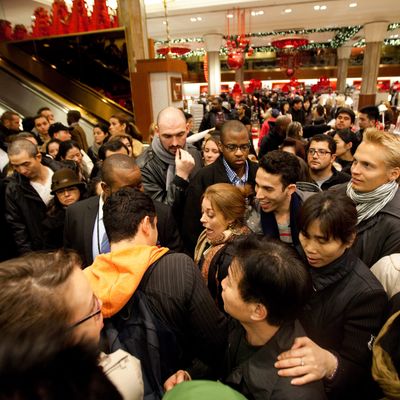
216,105
297,106
270,192
172,133
42,125
26,165
63,135
369,170
364,122
322,159
343,121
235,157
13,123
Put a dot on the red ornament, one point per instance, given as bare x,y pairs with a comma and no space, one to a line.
235,60
290,72
60,13
5,30
41,26
180,51
79,21
289,43
100,18
20,32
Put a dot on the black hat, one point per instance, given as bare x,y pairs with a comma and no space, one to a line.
64,178
57,127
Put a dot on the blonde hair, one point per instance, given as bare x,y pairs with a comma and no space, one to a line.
389,142
228,200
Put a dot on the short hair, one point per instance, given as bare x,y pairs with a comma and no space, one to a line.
296,144
372,112
320,110
54,140
33,291
281,163
74,115
7,116
348,136
188,115
18,146
43,109
389,143
324,138
336,212
229,200
65,147
232,125
123,212
348,111
293,130
272,274
116,161
297,100
37,117
111,146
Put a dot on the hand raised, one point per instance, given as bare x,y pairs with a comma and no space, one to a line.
184,164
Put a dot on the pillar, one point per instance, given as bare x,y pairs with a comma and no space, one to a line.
343,54
213,42
239,77
374,34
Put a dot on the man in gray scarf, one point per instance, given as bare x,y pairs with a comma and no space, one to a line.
169,162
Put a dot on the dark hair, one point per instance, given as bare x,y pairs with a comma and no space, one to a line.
130,128
33,292
348,111
320,110
323,138
116,161
65,147
273,275
50,142
282,105
187,115
336,212
281,163
39,116
232,125
297,144
124,210
73,116
103,127
371,111
41,109
111,146
348,136
28,124
7,116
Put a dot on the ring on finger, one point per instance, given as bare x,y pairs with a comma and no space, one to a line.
301,362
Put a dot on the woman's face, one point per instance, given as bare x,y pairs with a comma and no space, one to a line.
286,107
99,135
74,154
68,196
127,143
213,221
319,250
306,105
341,146
210,152
116,128
53,149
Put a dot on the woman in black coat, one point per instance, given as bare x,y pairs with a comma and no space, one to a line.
347,307
67,189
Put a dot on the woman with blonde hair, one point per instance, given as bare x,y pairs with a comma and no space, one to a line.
120,124
223,218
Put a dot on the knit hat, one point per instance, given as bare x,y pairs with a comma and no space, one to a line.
64,178
200,390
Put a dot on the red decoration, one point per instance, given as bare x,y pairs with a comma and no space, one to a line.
5,30
205,69
41,26
60,15
290,72
289,55
100,18
235,60
79,21
20,32
254,85
236,91
180,51
289,43
323,85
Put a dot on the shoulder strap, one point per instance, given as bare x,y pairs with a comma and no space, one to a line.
150,270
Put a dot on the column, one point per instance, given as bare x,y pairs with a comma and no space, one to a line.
343,54
374,34
213,42
239,77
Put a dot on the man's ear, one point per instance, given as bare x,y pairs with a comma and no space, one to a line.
333,158
259,312
39,157
106,189
291,188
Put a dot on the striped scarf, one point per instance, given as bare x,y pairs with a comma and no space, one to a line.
370,203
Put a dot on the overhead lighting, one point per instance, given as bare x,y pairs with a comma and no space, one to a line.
257,13
287,10
193,19
351,5
320,8
316,8
323,8
199,18
164,22
311,41
229,15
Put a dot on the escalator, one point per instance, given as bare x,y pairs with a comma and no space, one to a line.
65,73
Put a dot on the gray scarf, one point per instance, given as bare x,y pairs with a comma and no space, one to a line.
165,157
370,203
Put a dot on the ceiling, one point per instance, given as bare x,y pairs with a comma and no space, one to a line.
211,16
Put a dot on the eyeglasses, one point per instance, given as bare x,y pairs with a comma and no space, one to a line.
320,152
234,147
65,190
91,315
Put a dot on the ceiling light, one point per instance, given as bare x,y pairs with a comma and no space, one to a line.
193,19
311,41
229,15
288,10
199,18
256,13
164,22
316,8
351,5
323,8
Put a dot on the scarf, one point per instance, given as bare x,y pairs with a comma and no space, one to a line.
370,203
165,157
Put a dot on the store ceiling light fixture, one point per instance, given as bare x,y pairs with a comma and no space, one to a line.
287,10
320,8
352,5
257,13
229,15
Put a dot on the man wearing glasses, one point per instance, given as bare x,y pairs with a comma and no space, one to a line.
320,158
231,167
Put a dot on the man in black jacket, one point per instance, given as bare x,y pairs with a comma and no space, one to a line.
27,195
84,229
216,117
231,167
275,137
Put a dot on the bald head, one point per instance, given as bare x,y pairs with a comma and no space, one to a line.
169,114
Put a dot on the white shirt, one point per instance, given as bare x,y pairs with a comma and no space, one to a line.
44,190
99,230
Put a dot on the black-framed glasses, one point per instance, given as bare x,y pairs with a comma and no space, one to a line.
91,315
320,152
234,147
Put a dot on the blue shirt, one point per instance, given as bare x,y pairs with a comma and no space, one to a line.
232,176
